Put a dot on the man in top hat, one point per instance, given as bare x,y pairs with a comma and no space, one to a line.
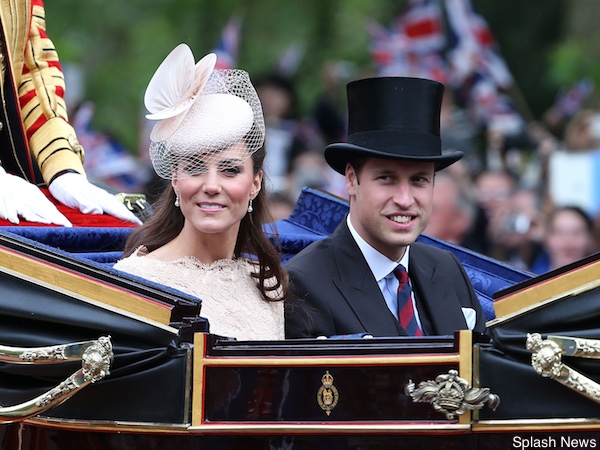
370,276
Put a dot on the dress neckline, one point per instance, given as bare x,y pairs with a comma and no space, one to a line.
142,251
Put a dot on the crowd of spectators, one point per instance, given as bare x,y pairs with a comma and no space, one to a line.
527,200
514,198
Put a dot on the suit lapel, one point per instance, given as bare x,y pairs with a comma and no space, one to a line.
359,288
439,308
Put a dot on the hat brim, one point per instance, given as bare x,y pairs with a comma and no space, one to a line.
339,154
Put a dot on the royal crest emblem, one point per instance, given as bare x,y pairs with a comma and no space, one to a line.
327,395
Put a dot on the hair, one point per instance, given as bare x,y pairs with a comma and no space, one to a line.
577,134
357,164
577,210
463,202
285,85
167,221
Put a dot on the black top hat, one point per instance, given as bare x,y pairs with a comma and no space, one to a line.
392,117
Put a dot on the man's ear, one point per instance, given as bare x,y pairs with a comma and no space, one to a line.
351,179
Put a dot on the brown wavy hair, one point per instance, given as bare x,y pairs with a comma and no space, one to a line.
167,221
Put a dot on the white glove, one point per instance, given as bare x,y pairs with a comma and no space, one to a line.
75,191
19,197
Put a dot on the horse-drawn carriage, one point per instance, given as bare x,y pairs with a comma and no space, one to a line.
98,359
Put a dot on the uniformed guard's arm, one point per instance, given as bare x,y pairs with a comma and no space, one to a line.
41,87
51,137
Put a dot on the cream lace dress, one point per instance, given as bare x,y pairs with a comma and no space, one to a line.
230,298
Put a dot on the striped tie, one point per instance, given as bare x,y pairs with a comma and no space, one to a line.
406,313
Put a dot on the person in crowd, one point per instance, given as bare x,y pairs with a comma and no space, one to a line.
493,190
280,206
278,97
370,276
582,132
327,110
516,229
452,212
569,237
294,144
37,143
205,237
459,132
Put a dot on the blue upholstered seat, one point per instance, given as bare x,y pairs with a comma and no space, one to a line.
314,217
317,214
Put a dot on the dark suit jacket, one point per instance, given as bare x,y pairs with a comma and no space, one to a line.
334,292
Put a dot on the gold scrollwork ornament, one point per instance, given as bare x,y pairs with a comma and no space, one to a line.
546,357
95,356
56,353
327,395
451,395
96,360
546,360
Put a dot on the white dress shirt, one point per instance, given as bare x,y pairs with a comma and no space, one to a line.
383,268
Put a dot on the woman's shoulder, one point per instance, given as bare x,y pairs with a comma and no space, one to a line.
136,257
137,253
142,250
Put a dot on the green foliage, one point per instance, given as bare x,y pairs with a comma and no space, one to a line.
527,33
568,63
574,59
119,44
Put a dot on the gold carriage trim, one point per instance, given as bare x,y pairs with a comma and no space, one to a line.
96,357
451,395
546,360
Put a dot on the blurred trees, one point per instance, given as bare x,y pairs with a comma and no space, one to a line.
578,55
528,34
119,44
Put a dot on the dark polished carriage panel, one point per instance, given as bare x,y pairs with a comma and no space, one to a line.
173,385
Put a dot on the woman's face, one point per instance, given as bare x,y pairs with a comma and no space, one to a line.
215,191
568,238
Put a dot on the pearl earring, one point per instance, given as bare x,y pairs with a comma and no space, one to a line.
176,199
250,208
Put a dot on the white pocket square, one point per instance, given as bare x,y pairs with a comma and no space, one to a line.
470,317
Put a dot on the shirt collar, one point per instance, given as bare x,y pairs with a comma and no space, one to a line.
381,266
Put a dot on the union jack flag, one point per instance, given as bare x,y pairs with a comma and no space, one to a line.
568,102
460,51
413,46
473,48
421,23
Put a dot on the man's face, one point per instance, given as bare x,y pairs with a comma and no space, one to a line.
390,202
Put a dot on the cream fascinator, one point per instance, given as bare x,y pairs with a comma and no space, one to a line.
200,110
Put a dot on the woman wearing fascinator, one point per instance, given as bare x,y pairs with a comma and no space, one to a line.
205,236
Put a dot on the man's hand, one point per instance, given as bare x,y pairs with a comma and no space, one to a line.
18,197
74,190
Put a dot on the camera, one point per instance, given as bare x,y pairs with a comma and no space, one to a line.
517,223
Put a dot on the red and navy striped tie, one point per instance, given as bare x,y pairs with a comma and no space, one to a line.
406,312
